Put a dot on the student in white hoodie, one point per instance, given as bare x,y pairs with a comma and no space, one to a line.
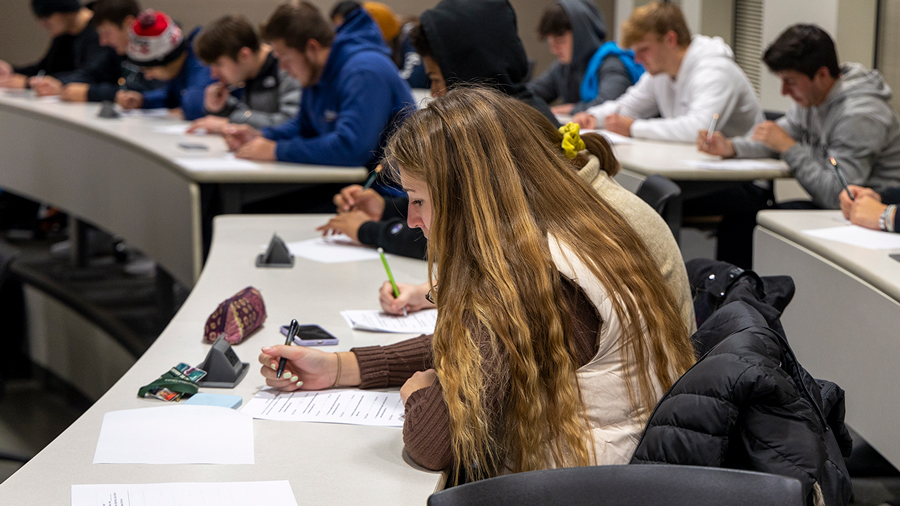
687,81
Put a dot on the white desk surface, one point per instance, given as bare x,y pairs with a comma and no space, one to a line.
138,132
873,266
666,159
325,463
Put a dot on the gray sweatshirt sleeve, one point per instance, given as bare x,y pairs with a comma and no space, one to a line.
746,147
613,79
288,105
854,142
545,86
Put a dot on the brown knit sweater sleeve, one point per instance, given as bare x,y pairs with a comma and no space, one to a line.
426,426
392,365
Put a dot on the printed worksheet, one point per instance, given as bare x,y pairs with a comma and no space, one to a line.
419,322
249,493
354,407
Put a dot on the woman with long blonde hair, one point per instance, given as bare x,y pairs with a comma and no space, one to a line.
556,333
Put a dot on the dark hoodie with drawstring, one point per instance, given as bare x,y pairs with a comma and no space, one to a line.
346,117
472,42
477,42
564,81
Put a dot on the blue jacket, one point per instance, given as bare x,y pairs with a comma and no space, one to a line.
186,89
590,85
346,117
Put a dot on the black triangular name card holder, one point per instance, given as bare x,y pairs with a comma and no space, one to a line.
276,255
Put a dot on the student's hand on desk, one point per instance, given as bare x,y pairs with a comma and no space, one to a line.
412,297
773,137
718,145
238,135
866,211
259,148
368,201
619,124
562,109
209,124
6,70
215,96
858,193
16,81
585,120
346,223
418,381
45,86
75,92
127,99
307,368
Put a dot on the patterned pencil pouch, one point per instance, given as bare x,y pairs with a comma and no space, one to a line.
237,317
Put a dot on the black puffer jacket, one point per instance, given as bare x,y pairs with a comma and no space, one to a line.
715,284
748,404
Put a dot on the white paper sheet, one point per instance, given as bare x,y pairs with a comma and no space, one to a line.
172,129
735,164
50,99
249,493
175,435
212,164
332,249
858,236
419,322
354,407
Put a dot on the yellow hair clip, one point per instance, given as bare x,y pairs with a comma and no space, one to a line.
571,142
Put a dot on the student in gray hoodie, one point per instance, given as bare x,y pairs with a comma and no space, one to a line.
264,94
575,29
840,112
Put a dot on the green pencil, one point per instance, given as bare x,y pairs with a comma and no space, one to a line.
387,269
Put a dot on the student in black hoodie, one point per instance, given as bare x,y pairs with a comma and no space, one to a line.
75,55
112,18
461,42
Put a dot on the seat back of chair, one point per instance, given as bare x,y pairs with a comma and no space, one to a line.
630,485
664,196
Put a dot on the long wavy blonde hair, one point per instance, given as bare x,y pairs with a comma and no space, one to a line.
497,189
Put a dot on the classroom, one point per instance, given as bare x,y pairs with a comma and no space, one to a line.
449,252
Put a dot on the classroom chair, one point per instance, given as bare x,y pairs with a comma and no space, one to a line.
664,196
629,485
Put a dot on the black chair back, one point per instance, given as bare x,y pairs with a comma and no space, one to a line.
630,485
664,196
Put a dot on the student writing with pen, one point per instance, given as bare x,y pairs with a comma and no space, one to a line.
75,54
839,111
544,294
687,80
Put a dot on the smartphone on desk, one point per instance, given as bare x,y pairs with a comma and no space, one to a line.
311,335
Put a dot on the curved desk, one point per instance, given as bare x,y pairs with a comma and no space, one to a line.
325,463
843,321
122,175
642,158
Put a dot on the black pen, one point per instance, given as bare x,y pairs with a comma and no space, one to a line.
841,177
292,332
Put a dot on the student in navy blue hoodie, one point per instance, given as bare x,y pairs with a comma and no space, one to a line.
352,94
158,46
